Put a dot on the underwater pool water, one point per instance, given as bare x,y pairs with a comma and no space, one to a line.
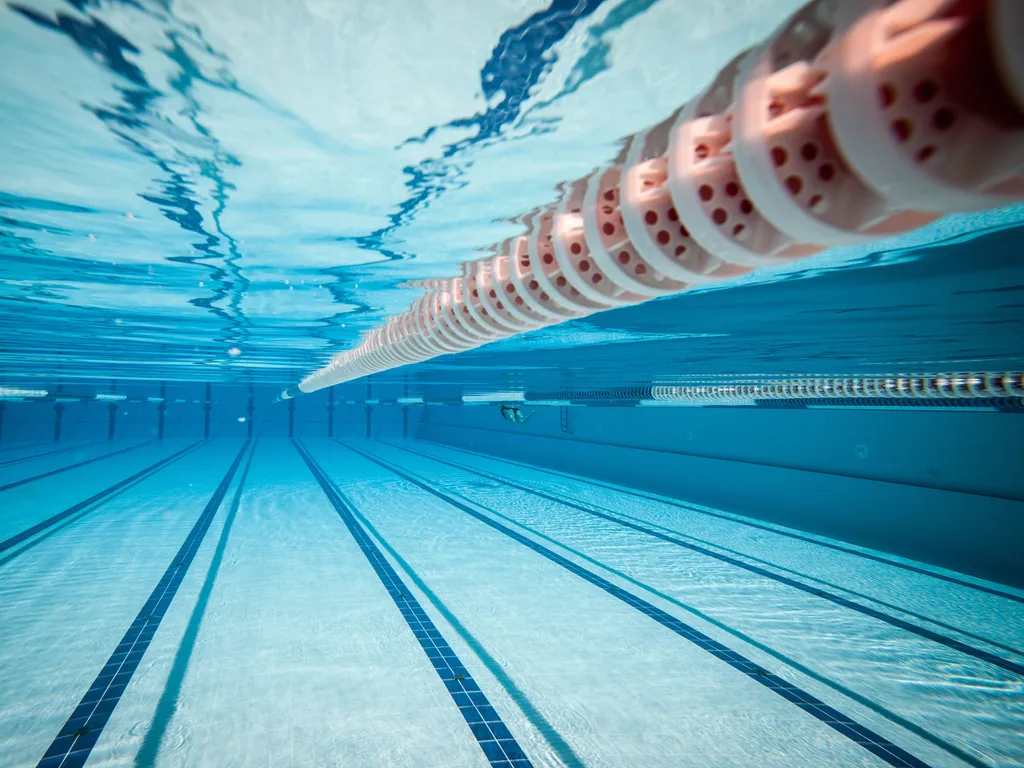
773,521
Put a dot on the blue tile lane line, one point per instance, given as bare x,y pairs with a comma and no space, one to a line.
749,523
102,496
74,743
865,737
497,742
922,632
35,456
167,705
57,471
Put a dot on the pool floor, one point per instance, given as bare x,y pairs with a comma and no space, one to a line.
399,603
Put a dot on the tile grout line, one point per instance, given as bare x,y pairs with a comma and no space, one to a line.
57,471
740,520
33,457
798,668
497,742
873,742
167,704
76,739
98,498
907,626
564,751
748,556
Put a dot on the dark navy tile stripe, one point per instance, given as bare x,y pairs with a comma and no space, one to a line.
73,744
497,742
46,454
871,741
930,620
167,704
603,513
102,496
749,523
57,471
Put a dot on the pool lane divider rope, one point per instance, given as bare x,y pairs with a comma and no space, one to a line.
46,454
741,521
839,722
57,471
74,742
497,742
603,513
102,497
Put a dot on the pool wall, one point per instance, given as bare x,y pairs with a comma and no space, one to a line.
939,486
942,487
215,410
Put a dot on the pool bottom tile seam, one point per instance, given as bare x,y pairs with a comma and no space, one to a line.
837,721
52,472
75,740
739,519
497,743
96,501
604,513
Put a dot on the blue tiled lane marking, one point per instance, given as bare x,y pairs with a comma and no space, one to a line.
80,733
923,632
739,521
101,496
865,737
57,471
496,741
35,456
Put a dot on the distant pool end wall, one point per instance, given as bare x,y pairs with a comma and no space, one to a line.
856,120
894,480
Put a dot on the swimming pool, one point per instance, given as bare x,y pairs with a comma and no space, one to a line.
773,521
346,602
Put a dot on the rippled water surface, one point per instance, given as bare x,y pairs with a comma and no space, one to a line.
234,190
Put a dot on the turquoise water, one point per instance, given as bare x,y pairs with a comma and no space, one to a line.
596,621
186,198
202,202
